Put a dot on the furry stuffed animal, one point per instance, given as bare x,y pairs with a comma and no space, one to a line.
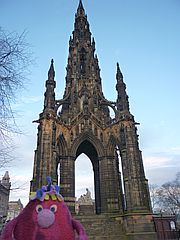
46,217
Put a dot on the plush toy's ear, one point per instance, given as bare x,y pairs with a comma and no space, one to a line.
7,233
39,193
57,188
48,178
79,229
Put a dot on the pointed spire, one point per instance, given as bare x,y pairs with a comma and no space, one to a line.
6,180
49,95
119,75
82,61
80,10
122,99
81,26
51,72
80,5
6,176
93,45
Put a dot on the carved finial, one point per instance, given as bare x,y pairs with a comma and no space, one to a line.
119,75
6,176
80,4
93,44
122,100
80,10
51,72
6,180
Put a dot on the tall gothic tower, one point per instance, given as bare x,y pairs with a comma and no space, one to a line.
81,123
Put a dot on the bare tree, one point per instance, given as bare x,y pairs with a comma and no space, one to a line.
154,197
14,62
167,197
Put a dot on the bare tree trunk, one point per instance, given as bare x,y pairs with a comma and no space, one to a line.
15,58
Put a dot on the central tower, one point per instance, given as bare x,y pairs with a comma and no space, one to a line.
80,122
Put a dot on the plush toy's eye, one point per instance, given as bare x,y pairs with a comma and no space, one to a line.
39,208
53,208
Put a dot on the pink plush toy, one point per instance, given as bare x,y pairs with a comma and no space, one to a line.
46,217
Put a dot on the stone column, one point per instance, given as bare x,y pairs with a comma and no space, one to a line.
109,186
67,181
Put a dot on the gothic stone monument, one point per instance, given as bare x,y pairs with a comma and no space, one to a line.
79,123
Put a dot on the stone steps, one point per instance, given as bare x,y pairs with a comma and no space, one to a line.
102,227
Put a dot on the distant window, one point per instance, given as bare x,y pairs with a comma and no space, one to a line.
172,225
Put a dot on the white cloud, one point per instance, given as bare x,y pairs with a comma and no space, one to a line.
162,166
83,182
176,150
20,185
31,99
24,101
156,161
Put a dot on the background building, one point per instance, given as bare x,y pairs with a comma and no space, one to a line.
166,226
14,208
4,197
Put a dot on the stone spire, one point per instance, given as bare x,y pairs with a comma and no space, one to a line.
81,31
122,99
83,70
84,125
49,96
6,180
51,72
80,10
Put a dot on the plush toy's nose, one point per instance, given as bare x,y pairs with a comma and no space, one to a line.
45,218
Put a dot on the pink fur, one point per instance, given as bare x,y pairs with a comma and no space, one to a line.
26,226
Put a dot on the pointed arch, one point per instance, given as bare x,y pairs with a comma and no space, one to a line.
87,136
62,145
112,143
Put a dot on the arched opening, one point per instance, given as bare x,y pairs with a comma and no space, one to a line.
121,177
83,175
111,112
58,171
59,109
84,184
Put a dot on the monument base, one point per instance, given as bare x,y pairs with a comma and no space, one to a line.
86,209
139,226
115,227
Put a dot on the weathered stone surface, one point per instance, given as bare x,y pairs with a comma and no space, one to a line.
81,122
113,227
102,227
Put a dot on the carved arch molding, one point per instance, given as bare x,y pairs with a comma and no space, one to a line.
103,170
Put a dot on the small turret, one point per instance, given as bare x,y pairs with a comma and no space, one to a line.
49,96
119,75
6,180
80,10
51,72
122,99
93,45
81,33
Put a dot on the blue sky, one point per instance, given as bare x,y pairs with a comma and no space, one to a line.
143,36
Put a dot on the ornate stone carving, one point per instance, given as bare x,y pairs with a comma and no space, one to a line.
85,199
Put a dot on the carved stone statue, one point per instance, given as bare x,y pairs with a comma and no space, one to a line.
85,199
